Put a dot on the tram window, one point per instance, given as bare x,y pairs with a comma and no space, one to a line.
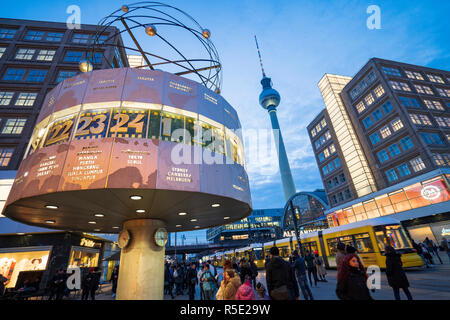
363,243
397,237
284,252
155,123
381,240
258,254
332,246
347,240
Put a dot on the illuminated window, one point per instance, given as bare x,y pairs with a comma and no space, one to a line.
403,170
443,92
5,156
360,107
409,102
400,86
413,75
323,123
443,122
434,105
396,124
382,156
385,132
14,126
326,153
423,89
369,99
327,135
406,143
25,54
332,148
391,71
5,98
313,132
80,38
417,164
46,55
435,78
34,35
415,118
54,36
441,159
391,175
379,91
26,99
425,120
7,33
394,150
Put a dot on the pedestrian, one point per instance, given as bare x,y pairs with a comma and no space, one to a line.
254,270
395,274
207,279
90,284
311,268
300,271
231,283
261,292
235,265
191,280
58,285
266,261
432,248
419,251
167,276
280,278
115,279
352,280
340,255
427,254
350,249
245,270
318,262
179,277
445,246
245,291
212,268
199,275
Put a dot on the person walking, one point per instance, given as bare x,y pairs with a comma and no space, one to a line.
432,248
445,246
419,251
178,277
207,279
245,291
352,280
191,280
395,274
280,278
58,285
254,270
311,268
300,271
115,279
199,276
231,283
245,270
318,262
340,255
427,254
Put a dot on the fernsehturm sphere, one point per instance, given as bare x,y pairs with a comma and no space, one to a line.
269,99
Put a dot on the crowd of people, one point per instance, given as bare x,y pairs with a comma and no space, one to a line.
288,280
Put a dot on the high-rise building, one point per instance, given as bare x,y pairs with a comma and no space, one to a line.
136,61
383,144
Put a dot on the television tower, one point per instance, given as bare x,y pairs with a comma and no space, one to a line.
269,99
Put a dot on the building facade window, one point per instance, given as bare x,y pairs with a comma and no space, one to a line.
80,38
420,119
74,56
63,75
394,150
2,51
406,143
431,138
387,107
443,121
46,55
435,78
382,156
25,54
54,36
423,89
385,132
374,138
14,126
391,175
367,122
417,164
5,156
379,91
391,71
402,86
409,102
443,92
6,97
36,75
434,105
360,107
403,170
26,99
369,99
34,35
7,33
13,74
413,75
442,160
377,115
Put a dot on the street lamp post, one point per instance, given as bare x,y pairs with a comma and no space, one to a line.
294,219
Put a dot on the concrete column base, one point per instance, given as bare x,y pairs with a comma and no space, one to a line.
141,270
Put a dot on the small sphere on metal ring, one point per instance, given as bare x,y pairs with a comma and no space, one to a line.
206,33
217,91
85,66
150,30
125,8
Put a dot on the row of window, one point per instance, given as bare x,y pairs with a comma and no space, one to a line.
333,165
441,159
424,120
327,152
431,138
336,181
322,124
35,75
13,125
323,139
377,114
403,86
47,55
23,99
386,131
394,150
410,102
362,85
341,196
414,75
403,170
6,154
369,98
36,35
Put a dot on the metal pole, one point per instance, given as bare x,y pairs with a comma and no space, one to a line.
175,246
294,218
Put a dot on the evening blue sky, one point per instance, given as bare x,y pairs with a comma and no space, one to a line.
300,42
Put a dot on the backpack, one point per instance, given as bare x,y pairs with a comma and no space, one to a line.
319,262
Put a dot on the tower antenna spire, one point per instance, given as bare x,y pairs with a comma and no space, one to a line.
260,59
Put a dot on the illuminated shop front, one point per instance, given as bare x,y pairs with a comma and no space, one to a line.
420,203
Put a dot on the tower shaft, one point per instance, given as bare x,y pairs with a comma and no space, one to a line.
283,162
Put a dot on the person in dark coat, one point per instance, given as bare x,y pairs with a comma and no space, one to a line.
254,270
300,271
352,280
58,285
395,274
191,280
280,278
311,267
114,280
245,270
